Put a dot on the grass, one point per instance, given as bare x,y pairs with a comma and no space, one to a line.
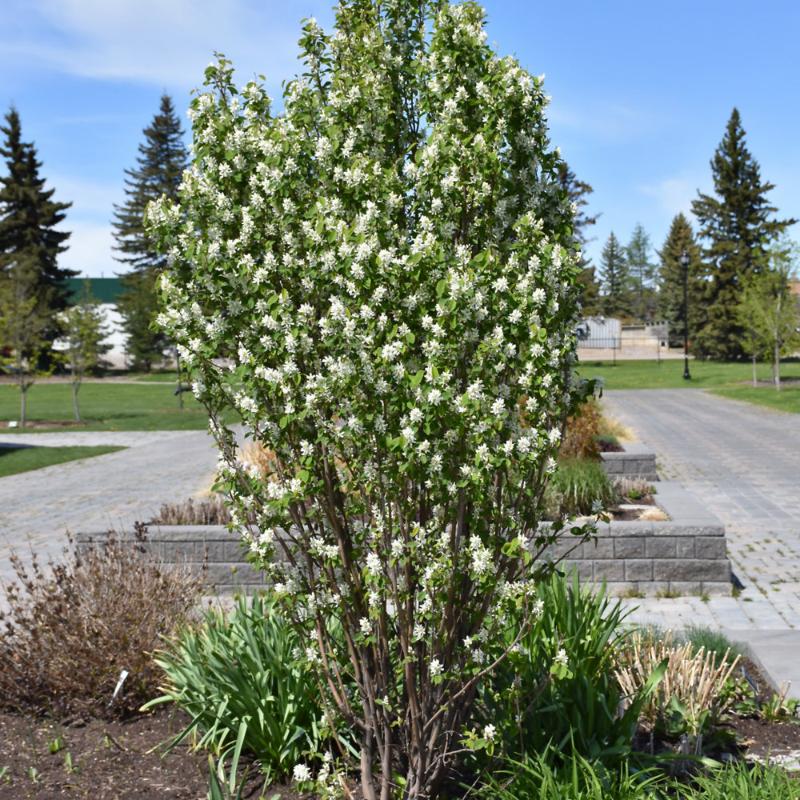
23,459
731,380
148,406
711,640
787,399
166,376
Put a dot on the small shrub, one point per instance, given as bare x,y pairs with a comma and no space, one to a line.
70,631
608,444
577,488
238,678
582,431
210,511
633,489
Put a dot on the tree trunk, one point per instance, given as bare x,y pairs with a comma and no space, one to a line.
367,779
755,379
776,365
75,408
178,368
23,405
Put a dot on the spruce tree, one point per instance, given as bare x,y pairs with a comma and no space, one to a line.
737,225
616,299
680,239
577,192
160,164
642,273
28,220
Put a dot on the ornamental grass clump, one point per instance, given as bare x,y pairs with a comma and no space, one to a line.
380,279
693,694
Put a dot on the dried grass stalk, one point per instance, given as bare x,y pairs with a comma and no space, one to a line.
208,511
695,679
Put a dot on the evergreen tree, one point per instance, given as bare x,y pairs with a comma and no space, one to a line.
642,273
737,224
616,300
160,164
680,239
28,220
577,192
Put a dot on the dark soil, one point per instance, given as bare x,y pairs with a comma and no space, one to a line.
761,738
609,446
109,761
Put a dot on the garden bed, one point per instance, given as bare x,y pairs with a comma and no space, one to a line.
104,760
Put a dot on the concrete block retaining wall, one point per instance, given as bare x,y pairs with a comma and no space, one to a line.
685,555
212,549
636,461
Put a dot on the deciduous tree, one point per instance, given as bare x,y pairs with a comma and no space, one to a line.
768,311
84,331
25,323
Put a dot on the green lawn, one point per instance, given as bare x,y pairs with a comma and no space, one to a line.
107,406
24,459
726,379
155,377
787,399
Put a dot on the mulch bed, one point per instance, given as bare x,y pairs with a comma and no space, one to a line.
110,761
765,740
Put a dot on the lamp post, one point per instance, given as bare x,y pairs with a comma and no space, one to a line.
685,265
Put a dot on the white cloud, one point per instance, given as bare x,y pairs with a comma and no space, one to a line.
88,198
162,42
90,249
674,194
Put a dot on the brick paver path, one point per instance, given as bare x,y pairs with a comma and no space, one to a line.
99,493
743,462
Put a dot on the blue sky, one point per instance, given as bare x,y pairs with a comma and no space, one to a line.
641,90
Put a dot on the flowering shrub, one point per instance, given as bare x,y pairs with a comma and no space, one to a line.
380,280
